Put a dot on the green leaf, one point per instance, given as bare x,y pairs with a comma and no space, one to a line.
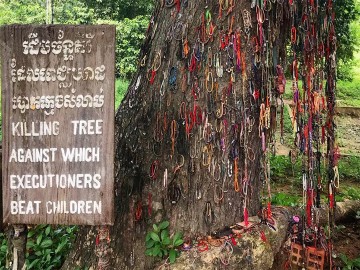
149,252
357,262
46,243
30,233
47,230
42,226
39,238
60,247
156,228
150,243
30,244
166,241
154,237
57,259
164,225
148,237
156,250
32,264
177,236
344,258
69,229
178,242
164,234
172,255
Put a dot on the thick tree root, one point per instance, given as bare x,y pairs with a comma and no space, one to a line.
251,251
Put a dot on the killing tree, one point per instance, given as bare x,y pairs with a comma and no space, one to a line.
197,126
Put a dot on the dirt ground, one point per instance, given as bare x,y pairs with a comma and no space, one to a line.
347,131
347,240
348,134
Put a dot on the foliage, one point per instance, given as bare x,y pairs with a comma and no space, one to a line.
26,11
346,25
347,91
160,244
350,193
281,168
288,127
118,10
120,89
350,264
72,12
284,199
3,250
130,34
34,11
47,246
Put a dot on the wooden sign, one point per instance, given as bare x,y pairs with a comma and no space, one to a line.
58,124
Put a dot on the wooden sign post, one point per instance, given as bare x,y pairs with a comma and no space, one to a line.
58,124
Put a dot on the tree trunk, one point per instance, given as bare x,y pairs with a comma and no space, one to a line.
182,116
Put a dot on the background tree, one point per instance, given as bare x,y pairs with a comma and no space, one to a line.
347,35
28,11
120,9
130,34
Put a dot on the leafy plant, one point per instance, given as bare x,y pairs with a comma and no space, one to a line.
160,244
47,246
3,250
350,264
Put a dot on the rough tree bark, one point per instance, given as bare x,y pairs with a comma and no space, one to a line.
169,118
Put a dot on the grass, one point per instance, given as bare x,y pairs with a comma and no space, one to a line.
121,87
282,169
289,95
348,91
287,180
281,198
349,168
288,127
347,192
